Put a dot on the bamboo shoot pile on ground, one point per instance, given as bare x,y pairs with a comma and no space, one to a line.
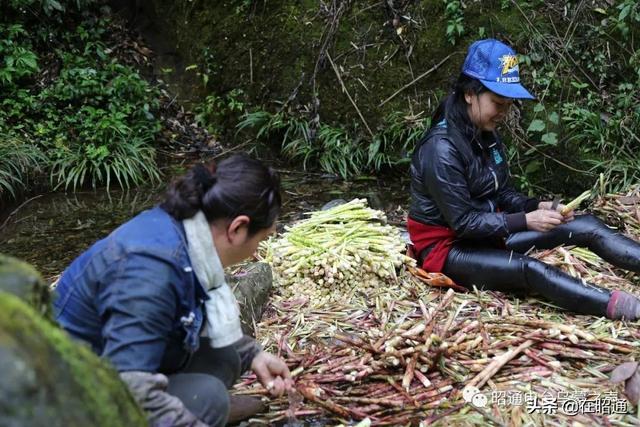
403,353
336,253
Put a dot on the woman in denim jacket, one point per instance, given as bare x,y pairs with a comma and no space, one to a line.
151,297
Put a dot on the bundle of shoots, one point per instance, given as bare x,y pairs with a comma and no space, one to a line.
337,252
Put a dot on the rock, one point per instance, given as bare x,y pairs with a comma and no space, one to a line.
251,287
404,235
22,280
375,201
48,380
332,204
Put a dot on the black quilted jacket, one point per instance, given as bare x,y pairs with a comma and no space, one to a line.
465,187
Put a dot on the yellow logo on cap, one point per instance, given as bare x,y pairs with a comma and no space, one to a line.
509,63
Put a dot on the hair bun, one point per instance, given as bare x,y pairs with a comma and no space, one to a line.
204,177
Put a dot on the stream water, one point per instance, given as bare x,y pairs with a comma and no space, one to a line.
51,230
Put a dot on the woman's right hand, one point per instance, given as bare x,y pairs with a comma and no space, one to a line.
272,373
543,220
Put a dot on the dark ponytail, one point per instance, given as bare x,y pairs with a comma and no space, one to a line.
239,185
454,108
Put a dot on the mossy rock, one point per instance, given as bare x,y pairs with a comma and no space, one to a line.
21,279
48,380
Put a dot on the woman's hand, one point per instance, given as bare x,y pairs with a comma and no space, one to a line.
559,206
543,220
272,373
545,205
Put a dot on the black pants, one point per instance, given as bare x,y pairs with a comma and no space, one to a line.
469,263
203,384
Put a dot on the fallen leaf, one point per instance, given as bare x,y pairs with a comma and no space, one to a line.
623,372
632,388
629,200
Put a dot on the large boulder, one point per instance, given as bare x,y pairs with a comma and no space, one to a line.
251,286
22,280
48,379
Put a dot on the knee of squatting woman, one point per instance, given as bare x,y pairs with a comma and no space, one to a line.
151,297
467,221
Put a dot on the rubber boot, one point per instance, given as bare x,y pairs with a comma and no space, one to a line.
243,407
623,305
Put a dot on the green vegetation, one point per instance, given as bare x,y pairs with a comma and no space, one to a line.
67,104
333,149
588,81
349,99
455,17
16,158
215,113
579,58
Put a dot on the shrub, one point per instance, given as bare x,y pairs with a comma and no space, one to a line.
16,159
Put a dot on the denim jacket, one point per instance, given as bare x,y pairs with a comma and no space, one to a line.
134,297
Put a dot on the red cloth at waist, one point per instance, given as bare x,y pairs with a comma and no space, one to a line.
423,235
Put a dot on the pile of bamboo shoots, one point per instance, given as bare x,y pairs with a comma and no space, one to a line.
406,352
336,253
406,355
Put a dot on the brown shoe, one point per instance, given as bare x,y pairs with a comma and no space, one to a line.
243,407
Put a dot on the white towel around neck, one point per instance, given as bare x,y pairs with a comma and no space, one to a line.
223,315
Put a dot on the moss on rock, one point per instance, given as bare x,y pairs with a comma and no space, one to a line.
21,279
49,380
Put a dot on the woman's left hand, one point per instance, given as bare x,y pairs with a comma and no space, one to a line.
272,373
549,205
569,216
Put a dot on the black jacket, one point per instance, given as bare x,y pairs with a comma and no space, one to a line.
466,188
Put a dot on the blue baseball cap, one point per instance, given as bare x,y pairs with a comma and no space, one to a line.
496,66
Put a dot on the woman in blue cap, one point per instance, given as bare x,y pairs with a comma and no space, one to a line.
467,221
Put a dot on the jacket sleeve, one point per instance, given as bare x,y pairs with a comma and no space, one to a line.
247,348
512,201
445,180
162,409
